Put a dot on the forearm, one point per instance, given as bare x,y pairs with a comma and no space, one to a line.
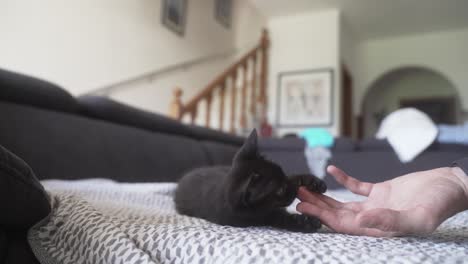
462,179
460,170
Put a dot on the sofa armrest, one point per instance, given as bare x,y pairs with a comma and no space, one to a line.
3,245
23,200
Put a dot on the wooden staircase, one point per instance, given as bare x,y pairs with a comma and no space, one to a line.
245,74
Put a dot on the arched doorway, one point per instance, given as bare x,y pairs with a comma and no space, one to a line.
419,87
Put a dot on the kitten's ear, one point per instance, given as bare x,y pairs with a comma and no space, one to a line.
249,149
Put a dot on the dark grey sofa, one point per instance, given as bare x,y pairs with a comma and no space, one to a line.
62,137
374,160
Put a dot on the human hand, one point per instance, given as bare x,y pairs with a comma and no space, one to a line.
415,203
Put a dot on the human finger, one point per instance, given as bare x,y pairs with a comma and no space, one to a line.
345,224
327,216
352,184
305,195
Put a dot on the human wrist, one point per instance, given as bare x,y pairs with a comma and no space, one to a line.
462,179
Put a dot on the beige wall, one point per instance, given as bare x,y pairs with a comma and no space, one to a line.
88,44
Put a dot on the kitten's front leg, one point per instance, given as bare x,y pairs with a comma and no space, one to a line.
294,222
311,182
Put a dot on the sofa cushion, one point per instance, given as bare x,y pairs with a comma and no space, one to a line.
203,133
22,89
282,144
219,153
373,144
107,109
64,146
344,144
448,147
292,162
23,200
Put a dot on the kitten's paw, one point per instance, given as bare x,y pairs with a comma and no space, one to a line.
306,223
316,185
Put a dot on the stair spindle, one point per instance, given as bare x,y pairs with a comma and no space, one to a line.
254,85
243,118
193,115
221,105
208,110
233,100
176,107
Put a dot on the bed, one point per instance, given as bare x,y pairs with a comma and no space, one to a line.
102,221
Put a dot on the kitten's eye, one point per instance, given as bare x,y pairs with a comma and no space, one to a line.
255,176
280,191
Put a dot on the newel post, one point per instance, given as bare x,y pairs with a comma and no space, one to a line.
175,110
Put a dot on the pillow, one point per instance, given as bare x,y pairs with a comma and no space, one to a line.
23,200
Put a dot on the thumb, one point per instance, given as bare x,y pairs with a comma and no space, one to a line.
402,222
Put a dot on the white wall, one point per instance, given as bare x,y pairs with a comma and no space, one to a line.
248,22
304,42
88,44
444,52
155,95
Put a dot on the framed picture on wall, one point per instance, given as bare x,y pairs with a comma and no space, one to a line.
174,15
223,10
305,98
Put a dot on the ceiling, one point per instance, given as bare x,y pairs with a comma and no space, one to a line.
372,19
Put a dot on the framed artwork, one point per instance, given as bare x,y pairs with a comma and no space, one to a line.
174,15
305,98
223,10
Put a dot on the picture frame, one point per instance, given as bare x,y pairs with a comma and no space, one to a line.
305,98
174,15
223,12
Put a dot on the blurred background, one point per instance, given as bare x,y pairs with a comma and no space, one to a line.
277,65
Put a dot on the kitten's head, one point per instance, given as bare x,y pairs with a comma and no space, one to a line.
256,183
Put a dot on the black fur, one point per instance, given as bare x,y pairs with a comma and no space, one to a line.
252,192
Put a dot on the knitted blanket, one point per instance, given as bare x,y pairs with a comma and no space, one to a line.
100,221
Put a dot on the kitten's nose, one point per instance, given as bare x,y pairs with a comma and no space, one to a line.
280,191
322,187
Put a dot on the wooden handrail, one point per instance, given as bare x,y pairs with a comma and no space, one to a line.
258,88
220,79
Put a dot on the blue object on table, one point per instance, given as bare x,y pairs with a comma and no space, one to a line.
317,137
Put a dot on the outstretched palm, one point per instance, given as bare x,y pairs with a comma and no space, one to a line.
416,203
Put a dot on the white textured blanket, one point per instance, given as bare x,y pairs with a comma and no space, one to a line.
99,221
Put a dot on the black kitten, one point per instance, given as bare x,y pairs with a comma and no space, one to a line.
253,192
